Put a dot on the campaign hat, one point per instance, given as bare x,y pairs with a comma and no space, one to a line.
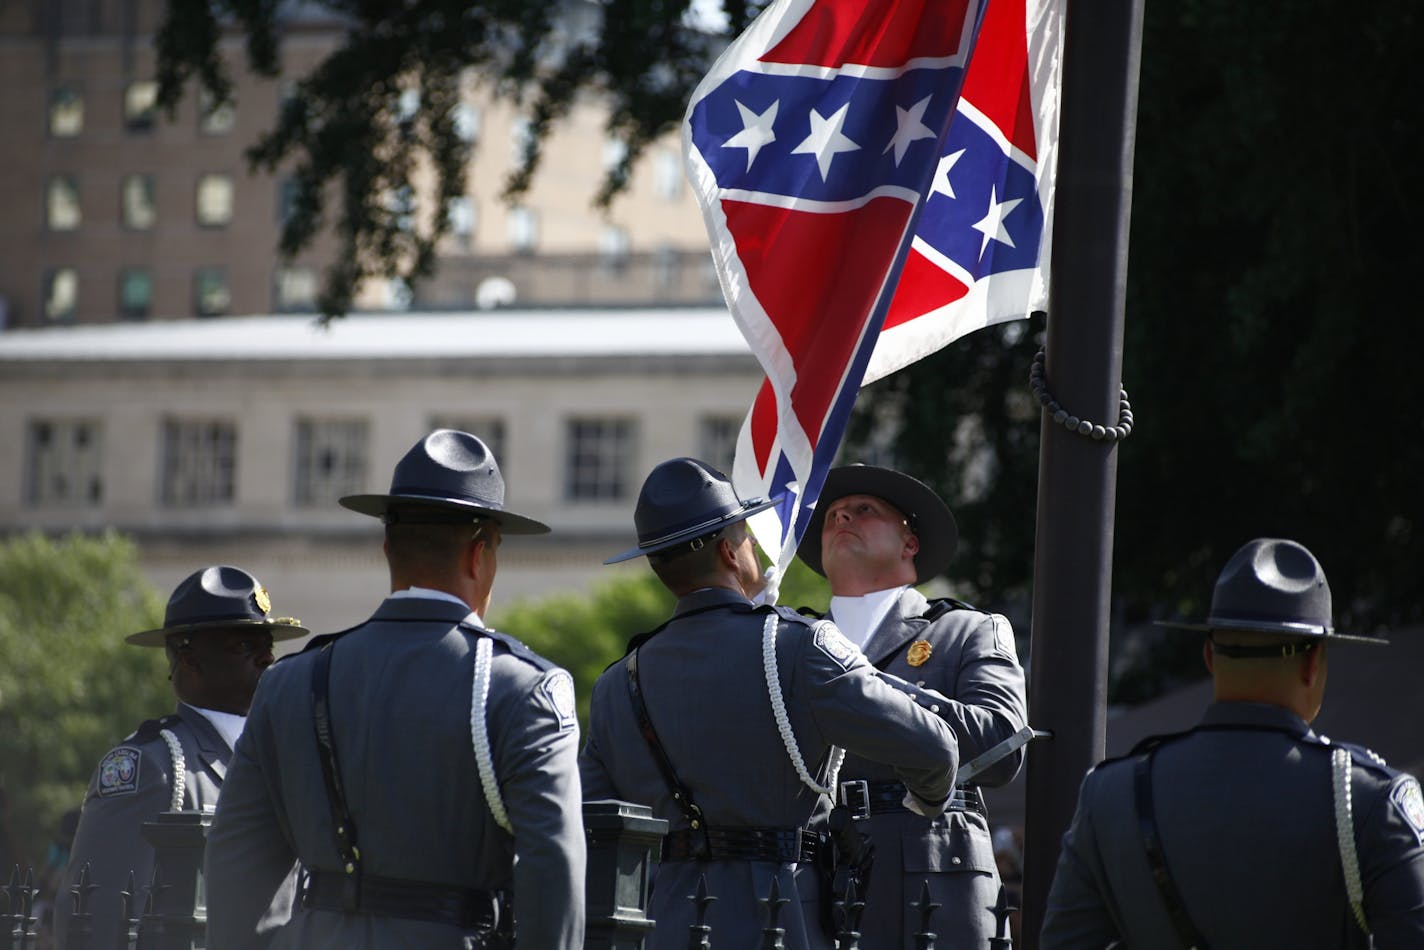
1273,587
927,514
447,477
220,597
682,501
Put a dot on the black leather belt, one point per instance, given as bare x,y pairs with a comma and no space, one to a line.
777,845
882,798
466,908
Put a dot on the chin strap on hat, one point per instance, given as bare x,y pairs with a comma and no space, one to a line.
783,721
1345,834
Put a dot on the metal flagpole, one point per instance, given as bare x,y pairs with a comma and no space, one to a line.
1077,474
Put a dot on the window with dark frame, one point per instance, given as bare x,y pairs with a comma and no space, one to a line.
199,463
598,458
330,460
65,462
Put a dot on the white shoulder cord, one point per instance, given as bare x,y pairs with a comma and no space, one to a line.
479,733
1345,834
180,768
783,722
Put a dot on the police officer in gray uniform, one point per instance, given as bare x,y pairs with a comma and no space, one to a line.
1250,830
725,721
875,533
421,766
218,636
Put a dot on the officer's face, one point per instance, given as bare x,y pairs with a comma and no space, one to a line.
863,533
228,664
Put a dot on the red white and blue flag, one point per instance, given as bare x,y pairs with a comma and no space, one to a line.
876,179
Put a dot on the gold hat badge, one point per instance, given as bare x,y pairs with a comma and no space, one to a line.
264,603
919,652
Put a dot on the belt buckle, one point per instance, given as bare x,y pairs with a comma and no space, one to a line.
855,796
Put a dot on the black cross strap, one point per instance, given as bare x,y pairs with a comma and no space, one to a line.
1152,844
331,774
680,792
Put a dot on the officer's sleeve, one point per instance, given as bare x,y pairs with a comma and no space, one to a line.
536,750
1077,914
861,713
249,859
593,770
1391,852
987,702
130,786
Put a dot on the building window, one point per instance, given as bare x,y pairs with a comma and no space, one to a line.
61,293
599,457
331,460
211,297
489,430
613,245
214,117
669,174
667,268
295,290
199,462
286,199
461,214
614,151
466,119
140,105
66,113
135,293
64,457
136,201
523,230
62,211
214,201
717,441
521,135
401,204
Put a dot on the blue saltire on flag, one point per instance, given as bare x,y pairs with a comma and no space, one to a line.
862,213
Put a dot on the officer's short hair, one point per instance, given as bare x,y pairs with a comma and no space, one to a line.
687,563
430,545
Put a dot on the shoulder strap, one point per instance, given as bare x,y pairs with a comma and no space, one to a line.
943,605
783,721
1147,825
331,774
180,769
1340,771
680,792
479,733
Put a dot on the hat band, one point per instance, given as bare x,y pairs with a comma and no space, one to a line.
1284,626
699,528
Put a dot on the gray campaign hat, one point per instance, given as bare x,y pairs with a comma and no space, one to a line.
684,499
448,476
1272,587
929,517
218,598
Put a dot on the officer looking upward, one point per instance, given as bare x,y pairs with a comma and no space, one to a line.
724,719
218,637
875,533
421,767
1249,830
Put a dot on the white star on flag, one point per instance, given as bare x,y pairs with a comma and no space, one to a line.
826,140
992,224
909,127
756,131
941,184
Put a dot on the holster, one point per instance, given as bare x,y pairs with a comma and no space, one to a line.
844,865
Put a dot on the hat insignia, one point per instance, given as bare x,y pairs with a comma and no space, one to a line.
264,603
919,652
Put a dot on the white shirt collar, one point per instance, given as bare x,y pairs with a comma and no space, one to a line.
858,617
431,594
228,725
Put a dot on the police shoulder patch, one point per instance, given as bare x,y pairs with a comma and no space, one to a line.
1405,796
557,688
118,772
1004,637
830,641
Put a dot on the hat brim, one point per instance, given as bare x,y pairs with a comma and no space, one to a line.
281,630
700,531
509,523
934,523
1269,629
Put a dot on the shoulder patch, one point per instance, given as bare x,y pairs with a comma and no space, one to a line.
1405,796
830,641
1004,637
557,688
118,772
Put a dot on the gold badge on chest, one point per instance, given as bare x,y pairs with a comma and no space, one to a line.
918,653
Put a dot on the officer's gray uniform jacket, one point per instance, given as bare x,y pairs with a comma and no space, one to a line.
400,703
972,661
706,693
132,784
1245,815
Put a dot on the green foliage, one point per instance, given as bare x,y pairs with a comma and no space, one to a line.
344,133
69,686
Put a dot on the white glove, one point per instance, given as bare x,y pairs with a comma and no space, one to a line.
923,808
771,587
